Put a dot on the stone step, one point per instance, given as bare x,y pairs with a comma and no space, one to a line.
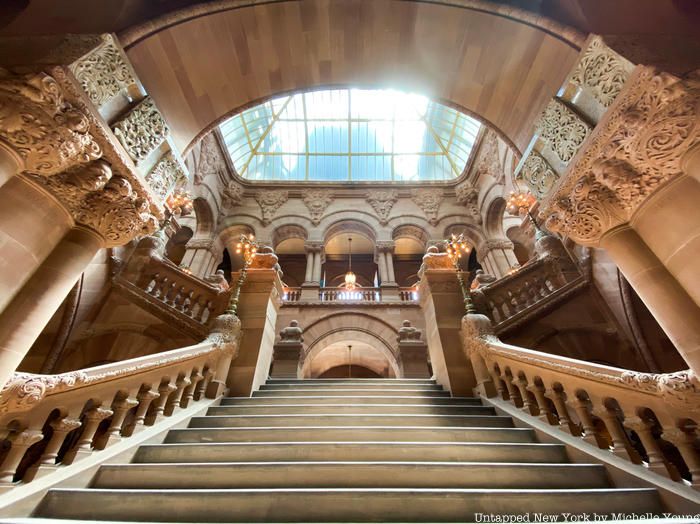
350,399
335,505
312,386
384,381
351,409
329,419
358,391
261,475
348,451
350,434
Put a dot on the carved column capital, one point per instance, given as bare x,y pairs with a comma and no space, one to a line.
312,246
385,246
46,134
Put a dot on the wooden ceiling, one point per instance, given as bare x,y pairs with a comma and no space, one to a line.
211,65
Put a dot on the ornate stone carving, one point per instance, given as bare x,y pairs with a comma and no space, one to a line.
429,200
538,175
482,279
265,258
48,134
142,130
270,201
490,245
477,333
292,334
408,333
468,196
433,259
385,246
218,279
24,390
165,175
636,148
105,203
488,161
562,129
66,424
601,71
317,200
211,162
103,73
225,333
232,195
382,202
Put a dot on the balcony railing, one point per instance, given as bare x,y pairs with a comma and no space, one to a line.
361,295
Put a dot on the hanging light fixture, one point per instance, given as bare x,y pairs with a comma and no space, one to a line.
350,279
349,361
519,203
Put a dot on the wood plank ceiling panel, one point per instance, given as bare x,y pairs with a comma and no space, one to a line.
206,68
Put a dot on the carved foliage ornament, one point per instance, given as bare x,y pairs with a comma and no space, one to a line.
488,161
429,200
637,148
47,133
468,196
562,129
601,71
232,195
538,175
103,73
316,201
270,201
165,175
382,201
142,130
211,162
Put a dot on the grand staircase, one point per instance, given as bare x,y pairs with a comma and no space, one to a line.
352,450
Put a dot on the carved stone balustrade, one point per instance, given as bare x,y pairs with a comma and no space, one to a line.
373,295
658,408
71,407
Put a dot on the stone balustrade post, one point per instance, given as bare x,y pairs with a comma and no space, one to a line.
527,405
581,408
655,458
557,398
20,443
120,407
175,399
83,448
684,441
189,392
47,463
545,413
158,405
617,434
145,397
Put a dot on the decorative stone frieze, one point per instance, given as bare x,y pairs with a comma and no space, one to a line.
24,390
105,203
47,134
165,175
562,129
468,196
142,130
601,71
385,246
382,202
538,175
211,161
232,195
103,73
316,201
313,246
429,200
270,201
635,149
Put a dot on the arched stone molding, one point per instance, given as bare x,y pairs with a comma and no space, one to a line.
229,236
472,232
494,218
411,231
286,232
350,225
205,218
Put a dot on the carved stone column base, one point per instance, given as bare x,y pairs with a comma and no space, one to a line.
309,292
414,359
285,360
390,292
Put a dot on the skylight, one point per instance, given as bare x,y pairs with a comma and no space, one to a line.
350,135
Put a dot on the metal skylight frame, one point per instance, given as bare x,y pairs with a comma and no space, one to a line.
455,146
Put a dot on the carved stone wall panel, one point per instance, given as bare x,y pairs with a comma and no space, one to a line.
270,201
538,175
488,161
382,202
142,130
165,175
47,133
468,196
429,200
232,195
211,161
316,201
563,130
103,73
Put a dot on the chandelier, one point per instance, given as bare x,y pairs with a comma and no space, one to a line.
180,203
350,279
519,203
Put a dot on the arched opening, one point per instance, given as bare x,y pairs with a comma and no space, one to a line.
410,243
342,240
177,245
350,358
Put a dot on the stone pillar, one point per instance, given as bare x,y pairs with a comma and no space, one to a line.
413,352
672,307
9,164
390,289
318,265
309,266
287,352
312,279
200,256
497,256
32,307
259,303
442,304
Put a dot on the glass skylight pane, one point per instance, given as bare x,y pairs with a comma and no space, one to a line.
359,134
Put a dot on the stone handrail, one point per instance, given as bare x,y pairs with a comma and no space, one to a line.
366,294
53,420
292,294
185,301
642,417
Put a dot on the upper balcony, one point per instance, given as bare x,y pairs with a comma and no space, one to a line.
334,296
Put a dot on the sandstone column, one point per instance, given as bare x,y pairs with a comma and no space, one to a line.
312,278
390,289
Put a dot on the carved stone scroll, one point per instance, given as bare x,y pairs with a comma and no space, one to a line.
142,130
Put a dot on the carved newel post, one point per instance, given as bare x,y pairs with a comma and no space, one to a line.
287,352
413,351
225,334
476,332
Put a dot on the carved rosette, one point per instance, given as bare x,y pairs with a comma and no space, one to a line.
142,130
538,175
316,201
382,202
634,150
468,196
562,129
103,73
601,71
47,134
429,200
165,175
270,201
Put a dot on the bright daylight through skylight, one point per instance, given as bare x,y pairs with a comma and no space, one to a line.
350,135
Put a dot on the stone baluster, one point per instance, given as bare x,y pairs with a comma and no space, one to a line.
158,404
174,400
545,414
527,405
684,441
189,392
581,408
655,457
145,397
497,382
202,386
557,398
617,434
20,443
83,447
180,298
513,393
47,463
120,407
